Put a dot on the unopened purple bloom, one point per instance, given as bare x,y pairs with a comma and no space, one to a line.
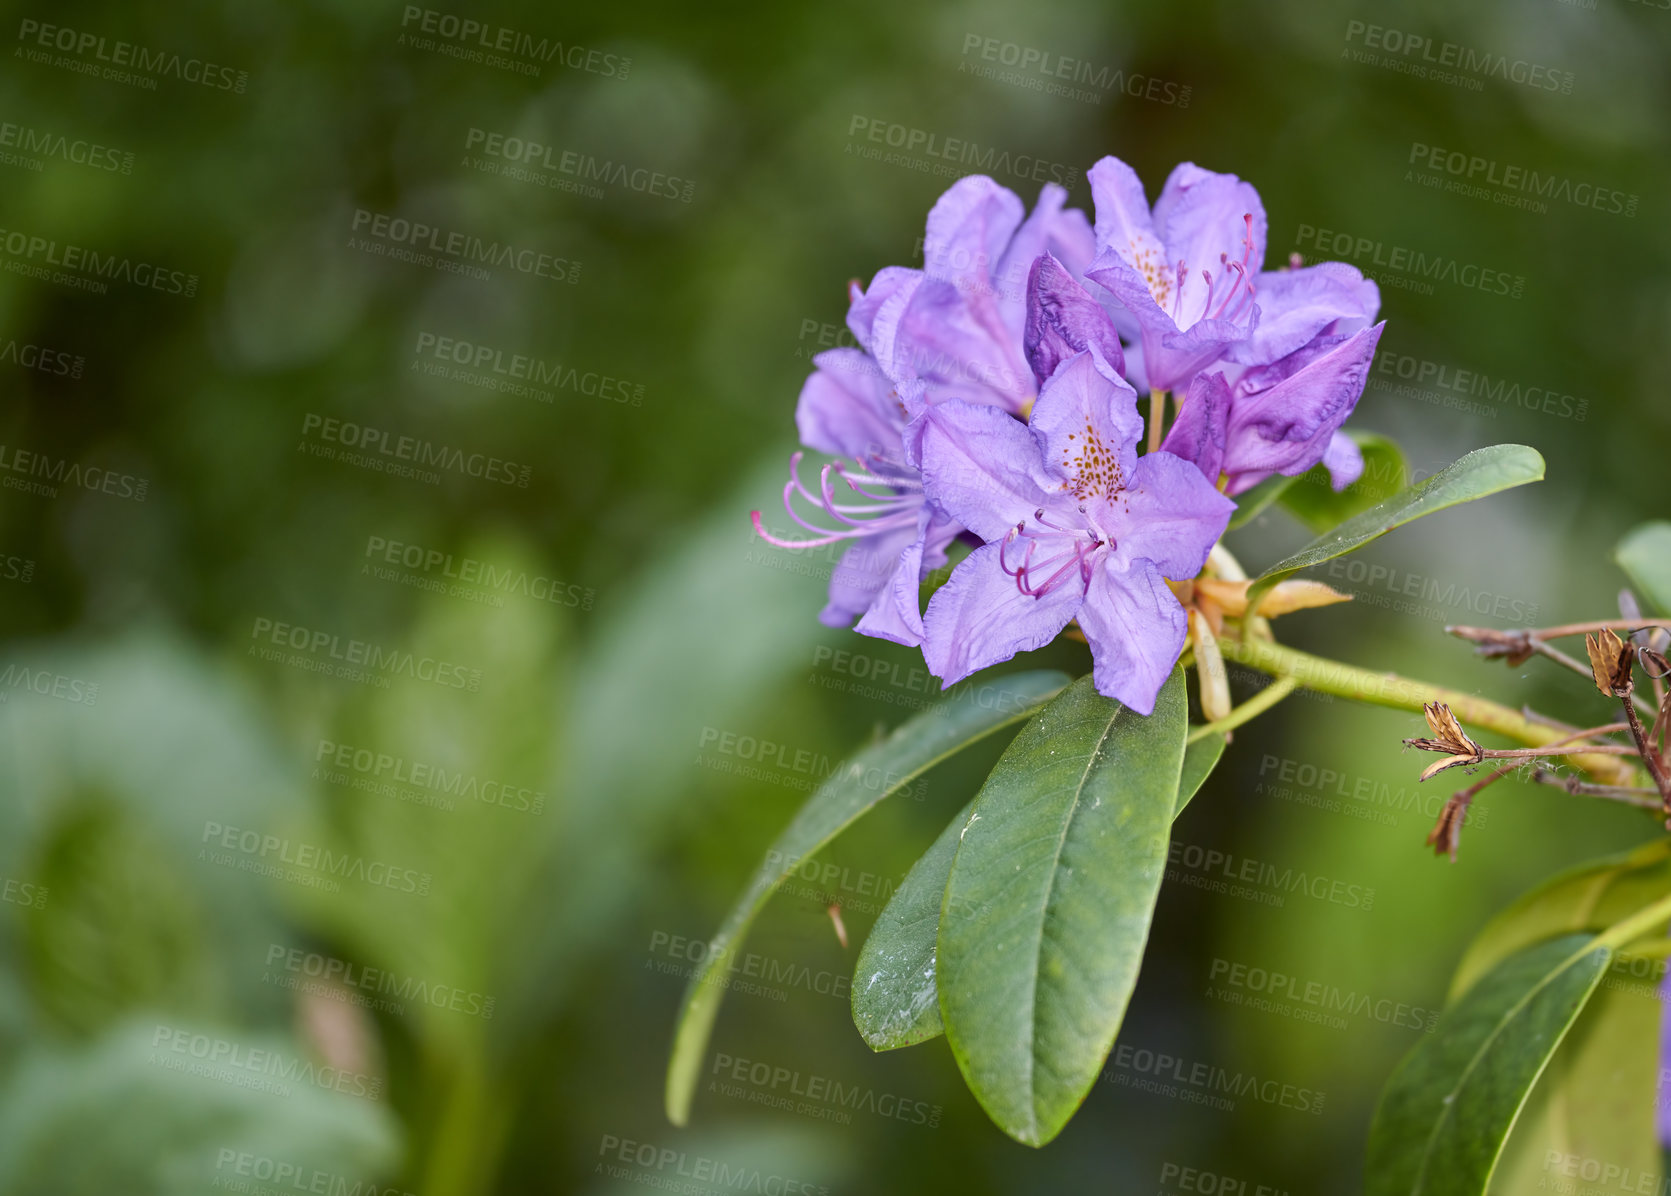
874,498
1076,525
1279,418
1186,271
958,333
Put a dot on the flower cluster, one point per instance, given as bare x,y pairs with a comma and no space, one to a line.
993,398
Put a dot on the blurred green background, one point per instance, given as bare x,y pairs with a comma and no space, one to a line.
480,996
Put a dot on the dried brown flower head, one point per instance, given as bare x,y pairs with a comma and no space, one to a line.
1448,737
1610,662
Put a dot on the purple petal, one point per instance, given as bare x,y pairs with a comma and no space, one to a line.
1131,258
864,572
980,617
1063,319
1198,434
969,228
873,314
1177,357
956,343
1136,630
1662,1105
896,614
1087,427
1287,428
1201,218
846,407
1297,305
979,465
1344,461
1064,233
1169,514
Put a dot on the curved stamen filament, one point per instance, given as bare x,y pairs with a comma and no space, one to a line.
892,511
1075,555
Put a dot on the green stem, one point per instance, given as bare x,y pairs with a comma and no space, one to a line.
1403,693
1621,933
1157,416
1252,708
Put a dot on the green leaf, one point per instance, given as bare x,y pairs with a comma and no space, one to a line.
1316,503
893,989
965,717
1482,472
1200,758
894,1002
1645,556
1446,1112
1596,1100
1049,902
1590,898
1250,504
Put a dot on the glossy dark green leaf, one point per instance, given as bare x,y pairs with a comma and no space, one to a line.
1482,472
1448,1108
1645,556
1588,898
967,715
1315,503
1048,906
894,1001
894,987
1200,758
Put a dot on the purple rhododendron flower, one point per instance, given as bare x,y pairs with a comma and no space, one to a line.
953,330
1279,418
1186,272
1662,1106
1076,525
